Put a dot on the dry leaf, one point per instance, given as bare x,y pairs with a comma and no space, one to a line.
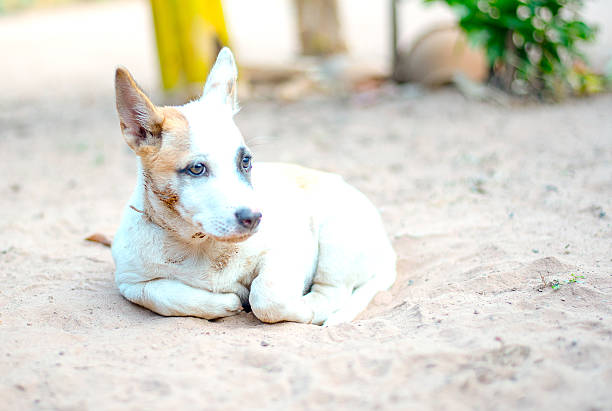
99,238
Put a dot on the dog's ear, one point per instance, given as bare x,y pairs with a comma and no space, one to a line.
141,122
221,81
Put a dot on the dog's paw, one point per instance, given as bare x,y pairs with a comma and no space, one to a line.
230,305
334,320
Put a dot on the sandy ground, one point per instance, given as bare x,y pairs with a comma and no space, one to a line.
481,201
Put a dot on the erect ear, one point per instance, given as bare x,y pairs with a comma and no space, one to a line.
221,81
141,122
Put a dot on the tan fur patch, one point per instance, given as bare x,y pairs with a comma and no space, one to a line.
175,260
220,261
175,143
160,165
167,196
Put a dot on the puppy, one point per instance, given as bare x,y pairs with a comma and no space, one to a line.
207,231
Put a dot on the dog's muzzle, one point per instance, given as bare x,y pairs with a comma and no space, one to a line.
248,218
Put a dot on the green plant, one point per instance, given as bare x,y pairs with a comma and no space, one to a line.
574,278
531,45
554,284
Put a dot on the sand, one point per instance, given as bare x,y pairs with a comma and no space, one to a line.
487,206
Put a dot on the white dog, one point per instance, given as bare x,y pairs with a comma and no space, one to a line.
207,231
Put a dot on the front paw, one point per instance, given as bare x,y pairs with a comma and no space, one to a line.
230,304
271,311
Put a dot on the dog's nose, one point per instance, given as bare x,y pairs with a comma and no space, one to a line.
248,218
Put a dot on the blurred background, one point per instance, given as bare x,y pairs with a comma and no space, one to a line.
286,49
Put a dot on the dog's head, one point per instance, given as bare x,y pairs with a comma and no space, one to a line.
195,165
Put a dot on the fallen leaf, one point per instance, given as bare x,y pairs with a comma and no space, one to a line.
99,238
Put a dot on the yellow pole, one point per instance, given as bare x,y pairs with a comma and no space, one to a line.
189,35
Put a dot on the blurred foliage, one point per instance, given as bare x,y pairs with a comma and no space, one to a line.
9,6
12,5
531,45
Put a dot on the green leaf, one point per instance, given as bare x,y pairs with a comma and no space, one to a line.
548,75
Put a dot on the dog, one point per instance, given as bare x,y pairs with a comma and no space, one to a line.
209,232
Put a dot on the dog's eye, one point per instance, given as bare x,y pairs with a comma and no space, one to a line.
246,163
197,169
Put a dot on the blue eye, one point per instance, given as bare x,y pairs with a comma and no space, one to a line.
197,169
246,163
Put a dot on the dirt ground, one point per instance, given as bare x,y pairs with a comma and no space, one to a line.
487,206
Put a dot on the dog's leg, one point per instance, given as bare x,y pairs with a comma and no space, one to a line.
284,273
355,262
324,299
360,298
274,301
173,298
336,303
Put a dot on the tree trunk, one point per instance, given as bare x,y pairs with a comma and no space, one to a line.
319,27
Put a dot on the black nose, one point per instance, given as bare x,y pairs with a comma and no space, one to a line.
248,218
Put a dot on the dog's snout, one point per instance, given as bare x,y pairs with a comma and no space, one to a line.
248,218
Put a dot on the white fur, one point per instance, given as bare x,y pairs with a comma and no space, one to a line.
317,233
213,131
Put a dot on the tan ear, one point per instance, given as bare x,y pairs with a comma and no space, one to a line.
141,122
